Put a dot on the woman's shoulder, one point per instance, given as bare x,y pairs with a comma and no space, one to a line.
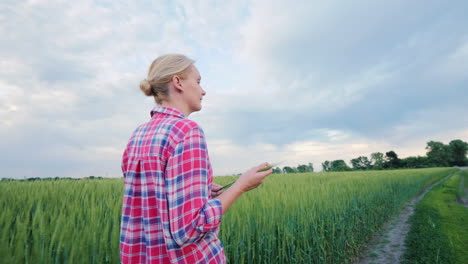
184,126
185,123
172,127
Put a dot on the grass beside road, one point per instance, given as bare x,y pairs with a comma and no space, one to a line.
439,227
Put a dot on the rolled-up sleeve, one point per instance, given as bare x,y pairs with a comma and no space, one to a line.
192,213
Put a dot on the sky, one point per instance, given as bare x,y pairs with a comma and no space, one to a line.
298,82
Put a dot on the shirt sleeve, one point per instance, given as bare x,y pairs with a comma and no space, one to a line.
191,213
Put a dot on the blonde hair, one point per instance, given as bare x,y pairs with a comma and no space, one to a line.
161,72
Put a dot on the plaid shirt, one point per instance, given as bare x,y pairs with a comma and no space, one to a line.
168,215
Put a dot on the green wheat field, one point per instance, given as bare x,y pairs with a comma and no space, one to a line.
292,218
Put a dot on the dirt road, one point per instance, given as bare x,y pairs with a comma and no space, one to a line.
388,246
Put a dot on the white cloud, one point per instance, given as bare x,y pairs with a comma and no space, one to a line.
335,135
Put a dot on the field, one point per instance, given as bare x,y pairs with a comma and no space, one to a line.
294,218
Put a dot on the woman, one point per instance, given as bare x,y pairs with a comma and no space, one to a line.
171,209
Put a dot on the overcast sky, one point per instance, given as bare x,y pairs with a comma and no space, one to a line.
302,81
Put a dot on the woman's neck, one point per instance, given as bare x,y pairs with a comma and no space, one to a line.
177,105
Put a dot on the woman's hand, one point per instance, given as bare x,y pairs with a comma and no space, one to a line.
252,178
216,190
246,182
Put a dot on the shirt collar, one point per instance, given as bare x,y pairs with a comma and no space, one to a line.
167,111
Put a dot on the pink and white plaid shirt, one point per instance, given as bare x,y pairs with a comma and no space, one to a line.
168,215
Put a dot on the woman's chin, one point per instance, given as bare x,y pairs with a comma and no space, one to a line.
196,109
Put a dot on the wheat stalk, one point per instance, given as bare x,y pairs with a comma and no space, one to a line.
263,169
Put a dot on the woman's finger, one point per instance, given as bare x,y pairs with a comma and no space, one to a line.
216,187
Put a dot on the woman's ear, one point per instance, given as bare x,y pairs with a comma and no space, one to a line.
177,83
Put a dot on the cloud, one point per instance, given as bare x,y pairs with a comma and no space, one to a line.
68,88
372,73
310,81
353,66
70,72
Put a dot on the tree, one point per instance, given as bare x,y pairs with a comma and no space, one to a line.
377,159
276,170
301,168
305,168
361,163
415,162
392,160
438,153
288,169
458,150
326,165
339,165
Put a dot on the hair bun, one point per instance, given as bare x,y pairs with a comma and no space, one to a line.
145,87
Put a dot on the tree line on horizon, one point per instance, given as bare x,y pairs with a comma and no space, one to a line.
52,178
300,168
438,155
